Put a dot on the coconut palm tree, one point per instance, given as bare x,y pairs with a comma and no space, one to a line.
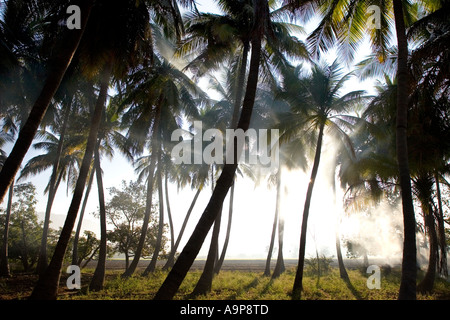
315,105
65,50
109,136
158,96
64,157
190,251
109,50
344,22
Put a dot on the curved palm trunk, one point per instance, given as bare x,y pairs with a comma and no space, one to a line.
99,274
194,244
47,286
42,261
298,287
4,263
171,259
409,271
227,236
279,266
156,147
80,220
152,265
59,66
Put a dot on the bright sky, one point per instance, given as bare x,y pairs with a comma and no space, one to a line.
254,207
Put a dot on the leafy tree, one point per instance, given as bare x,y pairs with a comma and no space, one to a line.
25,231
125,211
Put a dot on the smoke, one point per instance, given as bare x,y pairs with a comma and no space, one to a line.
375,232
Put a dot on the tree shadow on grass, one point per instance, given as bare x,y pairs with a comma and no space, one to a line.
236,294
355,292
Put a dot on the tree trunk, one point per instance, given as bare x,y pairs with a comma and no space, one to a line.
171,259
80,219
409,270
272,240
227,236
169,213
156,148
59,65
193,246
240,84
279,266
298,287
24,253
98,279
47,286
427,283
42,261
342,271
152,265
443,267
4,262
204,284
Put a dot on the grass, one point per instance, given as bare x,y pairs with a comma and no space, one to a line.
233,285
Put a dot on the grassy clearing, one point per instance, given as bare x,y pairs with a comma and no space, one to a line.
238,285
230,285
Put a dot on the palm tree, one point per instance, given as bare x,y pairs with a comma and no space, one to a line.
159,95
344,22
57,68
190,251
315,105
108,137
110,61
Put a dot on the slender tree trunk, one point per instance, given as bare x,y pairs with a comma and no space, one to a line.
59,65
409,270
98,279
156,147
443,268
342,271
272,240
171,259
24,252
80,219
204,284
427,283
152,265
194,244
42,261
298,286
279,266
47,286
4,262
227,236
169,213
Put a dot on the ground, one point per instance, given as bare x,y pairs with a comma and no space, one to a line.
239,280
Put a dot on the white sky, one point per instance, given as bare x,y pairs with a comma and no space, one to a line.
253,207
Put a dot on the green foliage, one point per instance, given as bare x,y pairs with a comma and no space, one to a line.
239,285
125,211
25,231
